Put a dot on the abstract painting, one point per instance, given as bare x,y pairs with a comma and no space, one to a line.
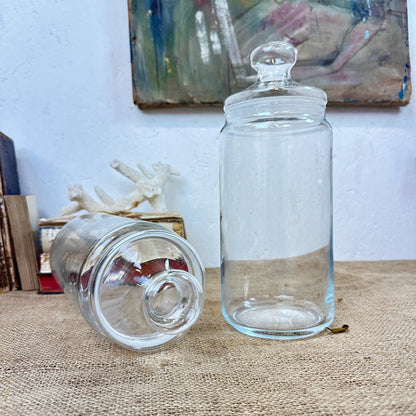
196,52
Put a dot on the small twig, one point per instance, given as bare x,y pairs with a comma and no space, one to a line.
344,328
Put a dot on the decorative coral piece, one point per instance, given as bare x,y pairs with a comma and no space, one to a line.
148,187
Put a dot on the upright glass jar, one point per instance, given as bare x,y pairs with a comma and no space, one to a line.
137,283
276,203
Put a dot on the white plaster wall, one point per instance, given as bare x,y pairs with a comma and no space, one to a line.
66,100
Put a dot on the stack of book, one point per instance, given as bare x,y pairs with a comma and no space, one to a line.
9,185
18,226
26,240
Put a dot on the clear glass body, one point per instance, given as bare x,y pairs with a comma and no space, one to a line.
276,218
135,282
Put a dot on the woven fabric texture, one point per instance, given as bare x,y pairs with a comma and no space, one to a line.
53,363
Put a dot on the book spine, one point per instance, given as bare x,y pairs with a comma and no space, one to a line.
9,185
23,238
47,283
7,247
4,274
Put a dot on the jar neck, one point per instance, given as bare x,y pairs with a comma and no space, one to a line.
276,109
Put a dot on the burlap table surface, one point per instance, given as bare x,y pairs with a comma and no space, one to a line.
53,363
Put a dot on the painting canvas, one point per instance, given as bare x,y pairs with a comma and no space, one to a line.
196,52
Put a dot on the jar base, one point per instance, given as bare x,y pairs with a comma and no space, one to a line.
282,321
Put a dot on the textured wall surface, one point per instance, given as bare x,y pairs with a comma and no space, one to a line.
66,100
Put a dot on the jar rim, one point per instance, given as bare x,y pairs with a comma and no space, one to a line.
145,342
285,99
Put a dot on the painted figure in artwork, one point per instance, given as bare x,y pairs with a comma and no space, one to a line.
327,33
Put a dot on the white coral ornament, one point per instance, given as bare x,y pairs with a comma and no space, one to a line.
148,187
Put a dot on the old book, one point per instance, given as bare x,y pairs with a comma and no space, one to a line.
7,247
23,216
172,220
47,232
47,282
9,185
4,275
8,166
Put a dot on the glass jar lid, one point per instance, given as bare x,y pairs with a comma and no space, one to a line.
273,62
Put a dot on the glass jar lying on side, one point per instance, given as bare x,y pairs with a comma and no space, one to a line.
137,283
